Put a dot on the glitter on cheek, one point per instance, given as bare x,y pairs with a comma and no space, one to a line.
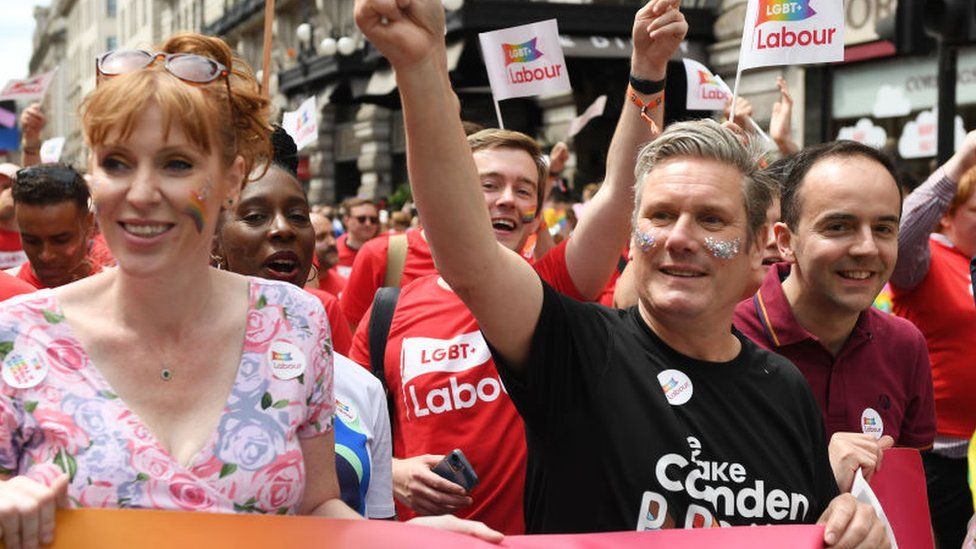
723,249
644,239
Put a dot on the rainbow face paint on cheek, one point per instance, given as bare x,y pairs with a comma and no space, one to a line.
197,209
528,215
723,249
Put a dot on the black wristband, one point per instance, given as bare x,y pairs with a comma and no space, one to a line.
647,87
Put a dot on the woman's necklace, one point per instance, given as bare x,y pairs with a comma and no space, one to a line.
166,372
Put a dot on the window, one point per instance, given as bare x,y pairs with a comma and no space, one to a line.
111,43
110,7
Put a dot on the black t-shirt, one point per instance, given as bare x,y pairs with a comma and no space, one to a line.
607,451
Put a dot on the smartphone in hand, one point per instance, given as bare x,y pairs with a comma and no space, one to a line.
456,468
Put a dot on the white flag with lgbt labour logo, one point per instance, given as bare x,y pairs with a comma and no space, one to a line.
792,32
525,60
706,90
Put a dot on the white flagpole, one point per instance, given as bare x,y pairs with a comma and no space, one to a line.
735,95
498,113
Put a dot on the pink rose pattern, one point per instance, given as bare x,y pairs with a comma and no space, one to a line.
74,422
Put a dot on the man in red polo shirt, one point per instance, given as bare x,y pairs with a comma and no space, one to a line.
56,226
869,371
362,224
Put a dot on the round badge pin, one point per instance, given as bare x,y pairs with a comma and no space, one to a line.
871,423
676,385
23,369
287,360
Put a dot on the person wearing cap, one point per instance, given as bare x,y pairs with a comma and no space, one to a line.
11,250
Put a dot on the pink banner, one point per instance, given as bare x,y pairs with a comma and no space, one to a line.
117,529
900,488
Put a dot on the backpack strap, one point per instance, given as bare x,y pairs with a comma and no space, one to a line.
384,306
396,256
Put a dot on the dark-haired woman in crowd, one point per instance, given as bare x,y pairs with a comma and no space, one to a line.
165,383
268,233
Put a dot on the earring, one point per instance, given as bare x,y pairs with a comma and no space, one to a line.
218,262
314,274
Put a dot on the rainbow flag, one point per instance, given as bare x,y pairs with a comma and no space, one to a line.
521,53
284,357
784,10
670,385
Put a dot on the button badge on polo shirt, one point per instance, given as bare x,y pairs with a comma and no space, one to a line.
23,369
676,386
871,423
287,361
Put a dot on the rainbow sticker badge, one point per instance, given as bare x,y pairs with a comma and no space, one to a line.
23,369
521,53
287,361
676,385
871,423
784,10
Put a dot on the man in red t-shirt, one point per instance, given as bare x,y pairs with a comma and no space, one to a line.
362,222
869,370
327,255
443,382
11,250
51,203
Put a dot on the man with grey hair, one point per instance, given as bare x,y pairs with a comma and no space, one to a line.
674,419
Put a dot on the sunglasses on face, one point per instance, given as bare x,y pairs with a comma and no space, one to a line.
364,218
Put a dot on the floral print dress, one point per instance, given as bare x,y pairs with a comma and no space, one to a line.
59,415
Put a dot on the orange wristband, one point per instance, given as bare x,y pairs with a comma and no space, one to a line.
645,108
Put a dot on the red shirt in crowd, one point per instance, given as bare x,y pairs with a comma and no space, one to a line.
347,255
942,306
26,273
341,334
331,281
11,286
879,382
11,249
99,253
448,395
369,271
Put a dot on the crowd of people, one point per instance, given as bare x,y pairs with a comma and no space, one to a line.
695,345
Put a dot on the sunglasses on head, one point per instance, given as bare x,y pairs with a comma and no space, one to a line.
364,218
188,67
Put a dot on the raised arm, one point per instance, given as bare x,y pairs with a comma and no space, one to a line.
499,287
594,249
922,211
